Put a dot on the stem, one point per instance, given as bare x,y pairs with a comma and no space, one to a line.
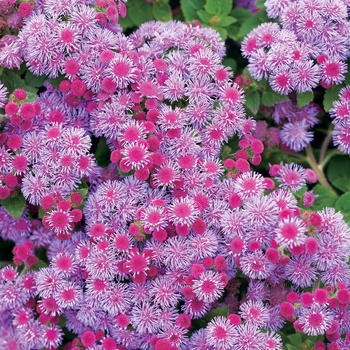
24,271
316,168
324,147
328,157
316,284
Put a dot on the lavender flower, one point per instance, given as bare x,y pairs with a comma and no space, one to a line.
309,33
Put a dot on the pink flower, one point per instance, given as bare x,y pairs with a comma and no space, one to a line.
221,333
208,287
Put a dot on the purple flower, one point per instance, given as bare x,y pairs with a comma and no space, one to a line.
296,136
300,271
3,95
316,43
315,320
220,333
248,337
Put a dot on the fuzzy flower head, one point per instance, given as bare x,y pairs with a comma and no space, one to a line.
208,287
291,177
63,160
341,112
296,136
315,320
254,312
3,95
283,53
220,333
291,232
183,211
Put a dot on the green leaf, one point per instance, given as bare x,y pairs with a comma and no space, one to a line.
13,81
247,26
34,80
301,192
225,152
305,98
347,76
338,172
252,101
31,97
261,15
140,11
190,9
326,197
102,153
162,11
56,81
222,32
123,174
295,340
270,98
215,7
343,203
241,15
227,20
14,204
260,4
330,96
346,218
126,22
220,311
40,264
83,192
41,213
204,16
230,62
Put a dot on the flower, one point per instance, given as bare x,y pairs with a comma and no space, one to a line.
256,265
3,95
304,66
315,320
183,211
290,232
208,287
145,318
247,337
164,293
117,300
177,253
220,333
248,185
300,271
296,136
260,211
292,176
254,312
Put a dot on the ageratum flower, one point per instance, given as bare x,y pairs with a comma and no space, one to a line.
309,45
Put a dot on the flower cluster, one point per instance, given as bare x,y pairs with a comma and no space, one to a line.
341,114
308,47
13,13
294,126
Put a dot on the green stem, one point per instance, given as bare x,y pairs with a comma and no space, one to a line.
316,168
329,156
24,271
324,147
316,284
